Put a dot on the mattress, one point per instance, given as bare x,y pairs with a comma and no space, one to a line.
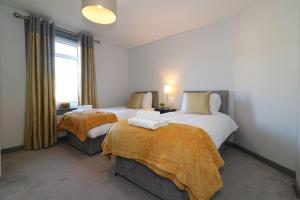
99,131
219,126
121,112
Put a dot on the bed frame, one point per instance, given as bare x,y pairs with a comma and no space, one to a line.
93,146
145,178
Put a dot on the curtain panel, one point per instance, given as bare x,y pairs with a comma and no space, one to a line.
41,125
88,72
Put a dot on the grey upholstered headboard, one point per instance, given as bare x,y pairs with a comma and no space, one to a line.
224,94
155,100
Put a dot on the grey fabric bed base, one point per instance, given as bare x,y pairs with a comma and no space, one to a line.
145,178
89,146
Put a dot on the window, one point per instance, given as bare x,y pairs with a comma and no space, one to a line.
66,71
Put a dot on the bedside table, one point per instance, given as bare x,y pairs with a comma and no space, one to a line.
164,110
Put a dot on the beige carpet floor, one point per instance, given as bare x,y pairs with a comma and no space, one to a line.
63,173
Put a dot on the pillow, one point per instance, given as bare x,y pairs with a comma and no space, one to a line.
215,103
147,100
184,102
135,100
198,103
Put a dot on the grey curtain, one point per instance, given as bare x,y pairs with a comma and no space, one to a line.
40,127
88,73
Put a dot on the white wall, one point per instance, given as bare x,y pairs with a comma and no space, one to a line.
266,73
111,68
196,60
12,72
112,74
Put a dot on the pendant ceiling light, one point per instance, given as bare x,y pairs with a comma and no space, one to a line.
100,11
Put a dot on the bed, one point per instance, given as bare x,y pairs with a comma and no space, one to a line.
165,188
92,145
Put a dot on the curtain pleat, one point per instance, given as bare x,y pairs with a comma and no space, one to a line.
88,73
40,127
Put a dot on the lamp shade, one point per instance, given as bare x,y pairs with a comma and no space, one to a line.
100,11
167,89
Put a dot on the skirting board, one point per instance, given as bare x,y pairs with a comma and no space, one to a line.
271,163
297,189
21,147
12,149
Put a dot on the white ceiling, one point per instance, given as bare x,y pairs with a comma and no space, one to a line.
139,21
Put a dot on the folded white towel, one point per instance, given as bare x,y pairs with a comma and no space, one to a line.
84,111
85,107
146,123
150,115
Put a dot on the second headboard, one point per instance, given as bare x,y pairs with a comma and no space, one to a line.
224,94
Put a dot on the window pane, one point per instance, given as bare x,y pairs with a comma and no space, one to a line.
65,49
66,72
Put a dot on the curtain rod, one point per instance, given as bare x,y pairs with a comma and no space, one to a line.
18,15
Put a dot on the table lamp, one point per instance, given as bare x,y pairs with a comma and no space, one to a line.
167,91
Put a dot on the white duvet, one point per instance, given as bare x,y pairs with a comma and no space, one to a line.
121,112
219,126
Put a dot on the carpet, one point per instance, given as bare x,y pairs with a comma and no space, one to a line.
62,172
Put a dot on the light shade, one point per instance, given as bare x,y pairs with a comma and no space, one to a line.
100,11
167,89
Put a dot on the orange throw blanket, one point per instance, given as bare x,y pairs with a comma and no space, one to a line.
80,123
182,153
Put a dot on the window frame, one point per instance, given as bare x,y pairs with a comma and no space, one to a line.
71,42
66,42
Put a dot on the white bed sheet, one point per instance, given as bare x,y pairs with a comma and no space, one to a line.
121,112
219,126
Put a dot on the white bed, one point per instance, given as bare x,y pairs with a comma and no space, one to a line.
95,136
219,126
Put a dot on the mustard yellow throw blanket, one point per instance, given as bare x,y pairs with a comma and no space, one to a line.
79,124
182,153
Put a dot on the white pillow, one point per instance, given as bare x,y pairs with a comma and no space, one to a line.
215,103
147,101
184,103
